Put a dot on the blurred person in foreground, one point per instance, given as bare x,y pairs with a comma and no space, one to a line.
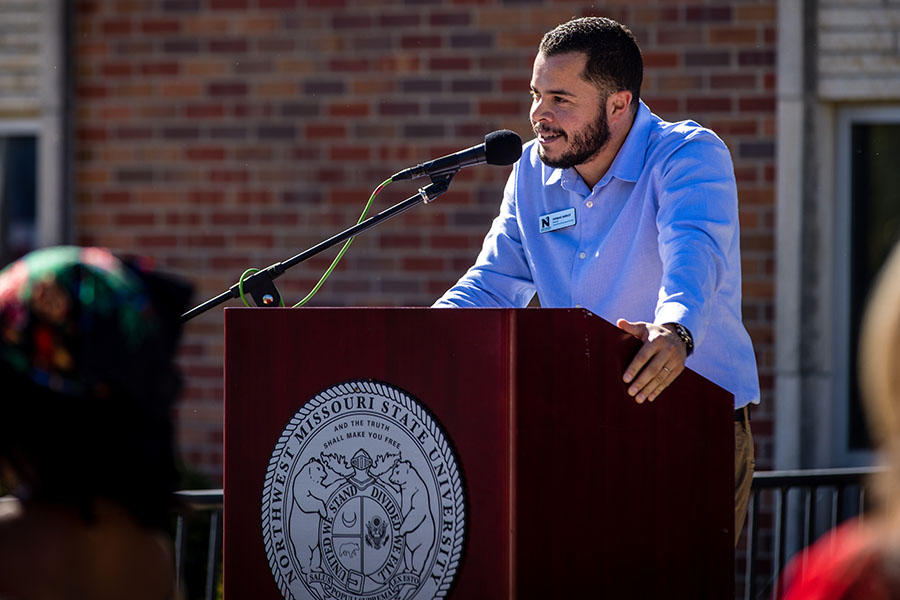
87,346
861,560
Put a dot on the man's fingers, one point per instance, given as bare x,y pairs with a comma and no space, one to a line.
637,363
657,363
666,376
650,378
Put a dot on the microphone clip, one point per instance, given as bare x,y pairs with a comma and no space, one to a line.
440,183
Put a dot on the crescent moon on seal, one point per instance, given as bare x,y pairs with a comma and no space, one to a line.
345,522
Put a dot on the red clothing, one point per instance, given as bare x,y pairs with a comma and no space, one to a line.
843,565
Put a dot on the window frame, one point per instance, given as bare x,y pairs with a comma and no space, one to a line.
847,118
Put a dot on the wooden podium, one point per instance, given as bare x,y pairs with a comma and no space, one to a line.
572,489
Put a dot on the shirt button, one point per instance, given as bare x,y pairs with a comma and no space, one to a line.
589,204
577,306
582,255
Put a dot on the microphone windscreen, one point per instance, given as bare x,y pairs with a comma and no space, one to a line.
502,147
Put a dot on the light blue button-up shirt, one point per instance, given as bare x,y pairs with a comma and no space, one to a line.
656,240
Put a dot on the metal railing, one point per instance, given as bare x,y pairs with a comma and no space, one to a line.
788,511
200,517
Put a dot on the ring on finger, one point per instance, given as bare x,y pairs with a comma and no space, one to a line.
666,369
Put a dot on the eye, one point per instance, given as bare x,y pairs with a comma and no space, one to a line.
560,99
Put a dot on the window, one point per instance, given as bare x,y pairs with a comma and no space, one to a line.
868,228
18,195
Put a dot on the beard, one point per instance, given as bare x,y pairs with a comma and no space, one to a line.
584,144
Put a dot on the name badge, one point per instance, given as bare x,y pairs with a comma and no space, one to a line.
558,220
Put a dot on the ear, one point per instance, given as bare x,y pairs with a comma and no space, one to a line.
618,105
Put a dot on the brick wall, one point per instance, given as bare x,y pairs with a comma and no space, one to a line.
216,135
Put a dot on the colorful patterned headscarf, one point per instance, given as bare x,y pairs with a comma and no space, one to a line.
82,323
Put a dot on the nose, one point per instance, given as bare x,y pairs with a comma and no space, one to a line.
539,111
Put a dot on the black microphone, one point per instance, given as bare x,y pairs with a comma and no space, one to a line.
501,148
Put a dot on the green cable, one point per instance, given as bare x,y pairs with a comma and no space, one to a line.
346,245
241,287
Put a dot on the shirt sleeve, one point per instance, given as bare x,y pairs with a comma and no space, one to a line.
500,277
698,232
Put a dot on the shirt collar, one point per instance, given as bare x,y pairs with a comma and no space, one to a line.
629,162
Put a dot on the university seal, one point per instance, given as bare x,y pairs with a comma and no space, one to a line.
363,499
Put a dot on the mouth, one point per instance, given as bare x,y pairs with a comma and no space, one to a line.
548,136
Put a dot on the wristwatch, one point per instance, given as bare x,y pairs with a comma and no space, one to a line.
685,335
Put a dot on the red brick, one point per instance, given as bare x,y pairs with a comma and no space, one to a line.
129,219
115,197
227,88
325,131
93,134
205,153
351,65
117,70
157,26
349,110
658,60
417,264
204,111
228,4
664,105
208,240
160,68
502,108
732,36
669,36
228,45
760,104
420,42
348,21
450,19
254,197
350,153
182,219
450,241
400,241
283,219
156,241
714,14
682,83
278,4
260,240
92,91
652,15
741,126
116,27
450,63
228,175
733,81
399,20
709,104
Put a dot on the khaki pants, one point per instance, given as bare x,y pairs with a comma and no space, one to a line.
743,472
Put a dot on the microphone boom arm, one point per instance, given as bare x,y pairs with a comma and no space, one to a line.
260,284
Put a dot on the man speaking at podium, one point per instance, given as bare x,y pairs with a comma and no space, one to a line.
613,209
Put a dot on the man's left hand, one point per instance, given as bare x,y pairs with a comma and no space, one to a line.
659,361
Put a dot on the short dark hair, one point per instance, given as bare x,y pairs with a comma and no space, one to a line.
614,60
